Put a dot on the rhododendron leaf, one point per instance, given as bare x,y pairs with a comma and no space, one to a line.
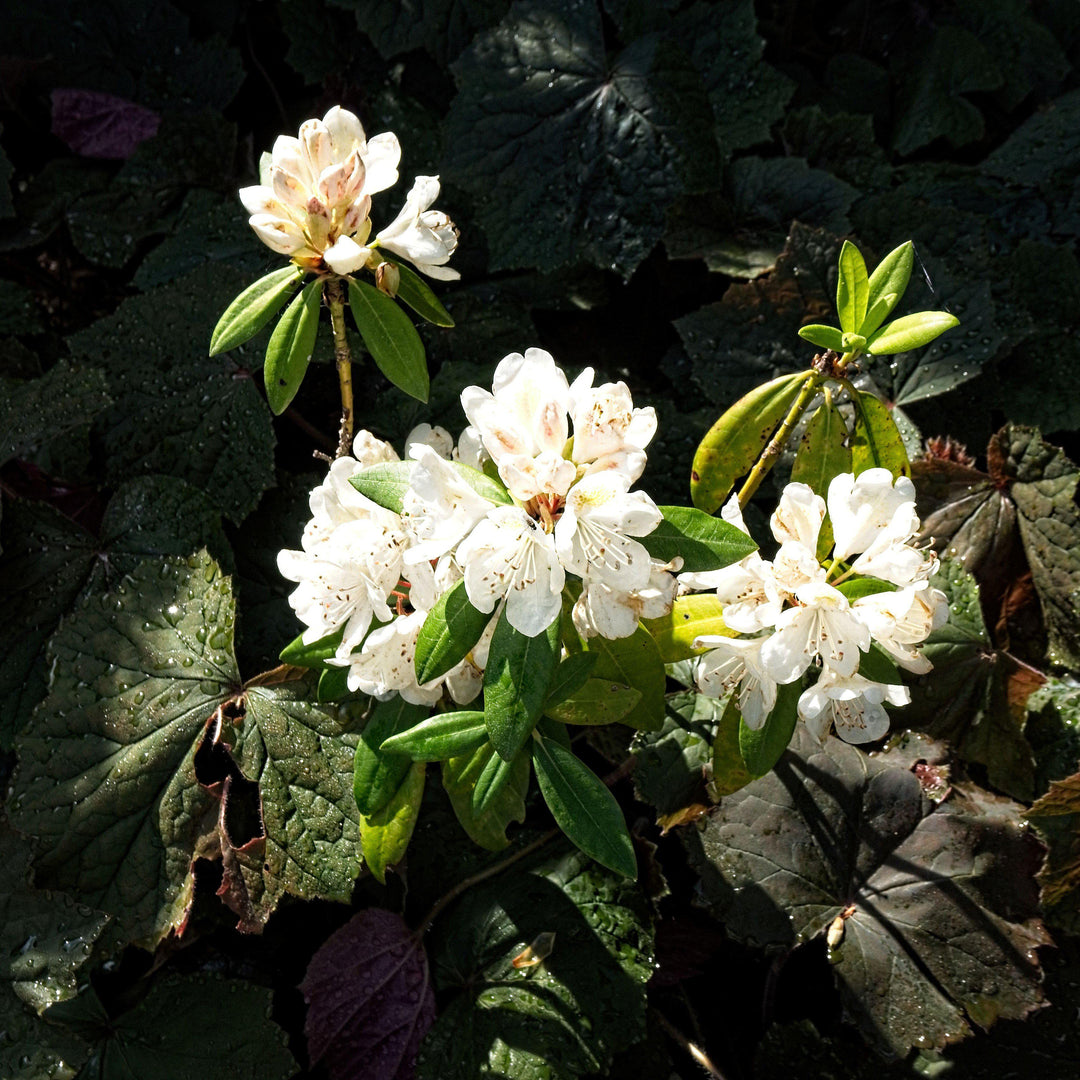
570,676
385,835
737,439
887,285
333,684
253,309
369,999
452,627
415,292
136,675
634,661
822,453
598,701
496,774
486,827
944,931
877,666
516,680
876,442
702,542
291,344
910,332
824,337
489,486
565,1017
582,806
762,747
439,737
858,586
379,773
391,338
314,655
729,771
852,289
385,484
691,616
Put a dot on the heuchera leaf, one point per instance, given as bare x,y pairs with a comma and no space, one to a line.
452,627
1057,817
391,338
253,309
573,1011
944,930
106,777
385,835
369,999
737,439
486,827
291,344
702,542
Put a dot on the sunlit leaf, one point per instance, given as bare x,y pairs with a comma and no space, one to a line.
253,309
385,834
291,343
391,338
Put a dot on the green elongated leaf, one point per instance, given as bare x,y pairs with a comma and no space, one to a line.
945,909
391,338
385,484
569,1015
887,285
737,439
634,661
516,680
910,332
333,684
761,749
570,676
876,442
440,737
599,701
414,290
822,453
452,627
702,541
385,835
691,616
254,308
487,827
825,337
583,807
852,289
377,773
858,586
494,777
106,777
875,664
289,351
489,486
311,656
729,771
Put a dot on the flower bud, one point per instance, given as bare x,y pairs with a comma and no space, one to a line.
387,278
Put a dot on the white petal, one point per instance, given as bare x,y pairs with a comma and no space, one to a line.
346,256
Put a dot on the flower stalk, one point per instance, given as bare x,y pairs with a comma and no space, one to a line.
335,298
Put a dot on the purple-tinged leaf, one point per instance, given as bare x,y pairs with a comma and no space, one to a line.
98,125
370,1001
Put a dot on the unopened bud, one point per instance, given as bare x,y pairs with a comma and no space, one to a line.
387,278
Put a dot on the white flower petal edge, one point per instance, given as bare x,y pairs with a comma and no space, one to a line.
426,238
852,704
613,613
860,507
899,621
736,662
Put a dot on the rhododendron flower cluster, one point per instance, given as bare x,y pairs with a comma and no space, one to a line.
316,206
566,456
871,595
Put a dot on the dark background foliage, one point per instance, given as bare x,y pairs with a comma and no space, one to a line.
657,189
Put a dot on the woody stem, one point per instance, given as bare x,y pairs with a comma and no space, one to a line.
335,298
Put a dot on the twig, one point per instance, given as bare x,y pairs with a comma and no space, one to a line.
692,1049
335,298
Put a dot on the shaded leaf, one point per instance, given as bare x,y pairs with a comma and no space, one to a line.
944,931
417,294
100,125
289,351
729,771
379,773
761,747
822,453
570,676
385,835
487,827
391,338
1057,817
1043,146
634,661
597,701
573,1011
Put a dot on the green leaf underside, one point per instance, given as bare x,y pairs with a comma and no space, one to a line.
583,807
253,309
487,827
391,338
598,701
852,290
106,778
415,292
944,919
385,484
312,655
876,442
379,773
822,453
516,679
635,662
570,1014
691,616
447,735
737,439
451,629
385,835
762,748
703,542
291,344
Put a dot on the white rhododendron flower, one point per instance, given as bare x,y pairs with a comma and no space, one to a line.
735,664
316,207
603,611
852,704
